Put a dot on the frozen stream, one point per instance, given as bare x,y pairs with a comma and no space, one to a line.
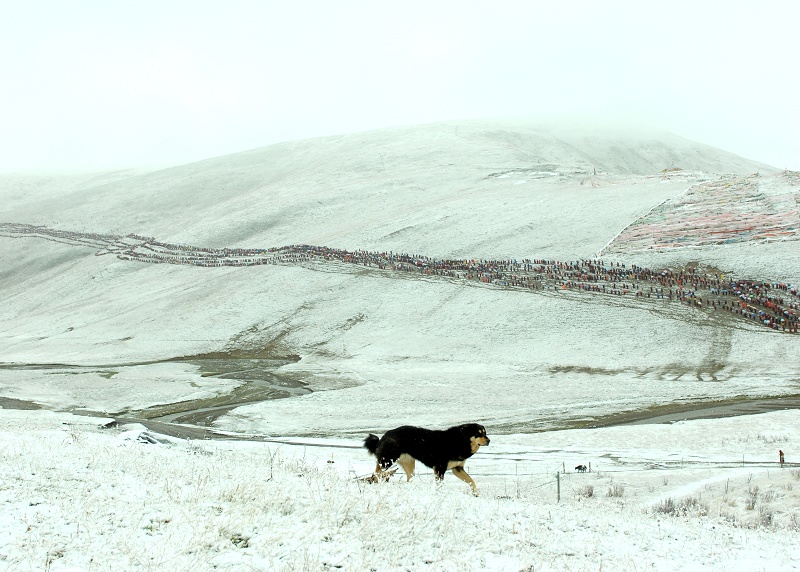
260,380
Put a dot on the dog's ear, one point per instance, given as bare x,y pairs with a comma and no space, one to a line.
471,430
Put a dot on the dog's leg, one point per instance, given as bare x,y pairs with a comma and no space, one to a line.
462,474
408,463
382,470
381,473
377,475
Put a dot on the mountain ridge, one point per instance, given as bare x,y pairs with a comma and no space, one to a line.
288,192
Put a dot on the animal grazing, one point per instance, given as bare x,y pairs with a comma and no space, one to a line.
581,468
438,449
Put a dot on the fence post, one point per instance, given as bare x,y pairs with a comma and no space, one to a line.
558,486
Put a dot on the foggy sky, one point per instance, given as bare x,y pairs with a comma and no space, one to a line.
99,84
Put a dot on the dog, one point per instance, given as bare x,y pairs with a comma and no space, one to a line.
438,449
581,468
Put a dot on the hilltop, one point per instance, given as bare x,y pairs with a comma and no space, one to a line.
437,189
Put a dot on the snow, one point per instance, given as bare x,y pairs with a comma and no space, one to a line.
82,331
77,497
112,388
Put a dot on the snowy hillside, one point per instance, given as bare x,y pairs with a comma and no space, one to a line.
457,189
539,280
392,344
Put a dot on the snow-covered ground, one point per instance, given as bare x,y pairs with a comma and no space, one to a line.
380,349
689,496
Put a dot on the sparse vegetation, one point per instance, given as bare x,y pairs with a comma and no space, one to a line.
752,498
240,541
765,516
794,521
686,507
615,491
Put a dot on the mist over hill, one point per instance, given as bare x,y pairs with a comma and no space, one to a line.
459,190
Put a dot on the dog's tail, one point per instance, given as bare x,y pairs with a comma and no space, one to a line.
371,443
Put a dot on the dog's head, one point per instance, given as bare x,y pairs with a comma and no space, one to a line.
476,434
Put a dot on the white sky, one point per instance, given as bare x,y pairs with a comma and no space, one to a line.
99,84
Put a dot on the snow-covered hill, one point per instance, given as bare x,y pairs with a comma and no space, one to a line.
86,326
467,189
427,345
